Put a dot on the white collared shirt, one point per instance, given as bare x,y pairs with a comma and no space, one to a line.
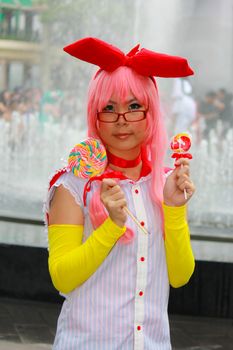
123,305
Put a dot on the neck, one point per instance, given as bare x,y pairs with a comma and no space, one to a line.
131,173
129,167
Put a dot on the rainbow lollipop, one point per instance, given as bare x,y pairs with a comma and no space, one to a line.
180,144
87,160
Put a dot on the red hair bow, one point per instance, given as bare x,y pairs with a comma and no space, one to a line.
144,62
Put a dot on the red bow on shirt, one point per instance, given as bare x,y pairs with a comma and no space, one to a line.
144,62
110,175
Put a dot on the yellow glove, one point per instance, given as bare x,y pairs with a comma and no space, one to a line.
179,255
72,262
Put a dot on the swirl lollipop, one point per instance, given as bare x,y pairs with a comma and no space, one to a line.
180,144
88,160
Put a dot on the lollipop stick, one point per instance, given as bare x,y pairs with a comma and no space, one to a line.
185,192
135,220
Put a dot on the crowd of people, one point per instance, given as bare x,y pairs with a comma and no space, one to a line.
215,106
21,107
19,101
32,103
200,115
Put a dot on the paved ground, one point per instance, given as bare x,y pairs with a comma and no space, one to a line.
26,325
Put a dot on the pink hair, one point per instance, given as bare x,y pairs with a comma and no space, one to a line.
121,82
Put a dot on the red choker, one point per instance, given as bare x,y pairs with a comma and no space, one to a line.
123,163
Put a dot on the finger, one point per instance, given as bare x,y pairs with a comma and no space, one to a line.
181,179
182,161
115,189
186,185
180,169
190,188
117,196
121,203
107,183
189,193
183,170
117,204
114,198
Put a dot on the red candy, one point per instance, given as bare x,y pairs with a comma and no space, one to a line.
181,143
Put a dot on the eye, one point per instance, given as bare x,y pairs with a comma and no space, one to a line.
134,105
108,108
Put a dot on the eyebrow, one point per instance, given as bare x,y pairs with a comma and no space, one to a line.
129,101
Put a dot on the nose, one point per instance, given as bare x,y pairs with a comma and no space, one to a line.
121,119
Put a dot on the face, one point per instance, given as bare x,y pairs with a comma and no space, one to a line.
123,137
7,95
220,95
209,98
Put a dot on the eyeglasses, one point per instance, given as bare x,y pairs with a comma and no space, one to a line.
113,117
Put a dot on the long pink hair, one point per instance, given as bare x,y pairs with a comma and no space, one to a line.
121,83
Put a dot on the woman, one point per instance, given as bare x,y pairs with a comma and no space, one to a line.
114,276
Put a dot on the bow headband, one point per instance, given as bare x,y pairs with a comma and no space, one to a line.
144,62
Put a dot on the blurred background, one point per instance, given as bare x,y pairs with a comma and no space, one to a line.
43,115
43,93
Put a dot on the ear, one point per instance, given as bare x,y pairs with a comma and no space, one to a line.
97,125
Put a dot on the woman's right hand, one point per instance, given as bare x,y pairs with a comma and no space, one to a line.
113,198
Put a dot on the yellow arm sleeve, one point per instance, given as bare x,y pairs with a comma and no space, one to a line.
179,255
72,262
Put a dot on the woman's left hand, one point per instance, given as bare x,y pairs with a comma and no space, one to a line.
175,184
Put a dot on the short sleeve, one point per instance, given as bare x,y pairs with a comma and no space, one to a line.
73,184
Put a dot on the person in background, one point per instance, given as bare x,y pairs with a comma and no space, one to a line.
5,98
225,108
208,112
184,106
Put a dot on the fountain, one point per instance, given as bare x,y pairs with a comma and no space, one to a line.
29,160
213,174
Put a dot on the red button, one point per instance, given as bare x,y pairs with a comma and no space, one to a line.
138,328
142,223
136,191
142,258
141,293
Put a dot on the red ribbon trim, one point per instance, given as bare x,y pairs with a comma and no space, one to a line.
123,163
182,155
112,174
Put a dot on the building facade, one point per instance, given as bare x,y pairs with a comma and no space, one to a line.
21,44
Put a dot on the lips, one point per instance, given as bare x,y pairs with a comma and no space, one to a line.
122,136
